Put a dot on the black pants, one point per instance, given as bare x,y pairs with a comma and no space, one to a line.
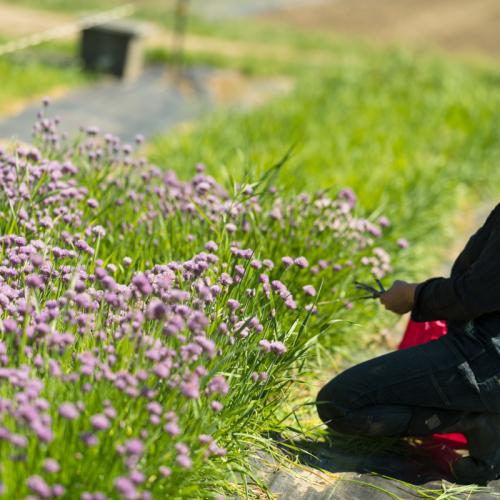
413,392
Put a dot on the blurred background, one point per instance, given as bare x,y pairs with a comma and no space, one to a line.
397,99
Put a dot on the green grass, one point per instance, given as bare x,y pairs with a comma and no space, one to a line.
410,133
30,74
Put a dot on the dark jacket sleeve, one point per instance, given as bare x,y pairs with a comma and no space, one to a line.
466,296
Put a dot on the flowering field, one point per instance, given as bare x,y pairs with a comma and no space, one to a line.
151,327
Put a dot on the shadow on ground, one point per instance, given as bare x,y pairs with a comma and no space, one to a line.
407,464
343,467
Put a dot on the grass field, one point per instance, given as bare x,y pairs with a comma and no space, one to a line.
31,74
410,133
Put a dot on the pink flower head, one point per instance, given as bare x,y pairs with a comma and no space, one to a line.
172,428
51,466
218,385
68,411
301,262
99,422
34,281
156,310
142,284
165,471
216,406
233,304
211,246
384,221
309,290
191,388
278,347
348,195
134,446
38,486
265,345
126,487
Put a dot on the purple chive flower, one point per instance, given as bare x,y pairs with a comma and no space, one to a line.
216,406
36,260
218,385
265,345
216,450
34,281
301,262
38,486
83,300
137,477
348,195
233,304
142,284
384,221
172,428
165,471
51,466
89,439
18,440
154,407
312,309
134,446
287,261
92,203
69,411
309,290
225,279
43,433
278,347
58,490
99,422
191,388
205,439
182,448
211,246
156,310
126,487
403,243
184,461
9,325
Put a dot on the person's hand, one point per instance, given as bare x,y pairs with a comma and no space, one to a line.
400,297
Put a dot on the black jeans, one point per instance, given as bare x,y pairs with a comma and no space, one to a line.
417,391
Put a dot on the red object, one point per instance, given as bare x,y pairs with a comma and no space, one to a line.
440,445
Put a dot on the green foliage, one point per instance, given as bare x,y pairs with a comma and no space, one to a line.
25,78
410,134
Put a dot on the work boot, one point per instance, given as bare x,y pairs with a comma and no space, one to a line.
482,431
468,470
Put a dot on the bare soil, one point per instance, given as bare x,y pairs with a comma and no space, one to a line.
470,26
19,21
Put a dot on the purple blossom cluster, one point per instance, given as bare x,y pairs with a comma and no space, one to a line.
142,315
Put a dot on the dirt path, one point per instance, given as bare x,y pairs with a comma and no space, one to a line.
18,21
454,25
